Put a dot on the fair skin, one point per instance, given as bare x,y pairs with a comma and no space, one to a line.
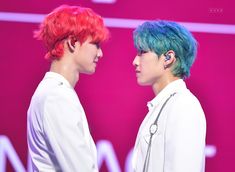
77,58
154,70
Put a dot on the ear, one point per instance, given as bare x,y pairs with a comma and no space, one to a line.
169,59
71,42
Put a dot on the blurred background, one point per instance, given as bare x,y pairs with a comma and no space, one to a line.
114,103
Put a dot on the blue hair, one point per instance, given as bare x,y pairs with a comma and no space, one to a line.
162,36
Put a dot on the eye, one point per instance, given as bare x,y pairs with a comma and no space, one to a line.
97,44
141,52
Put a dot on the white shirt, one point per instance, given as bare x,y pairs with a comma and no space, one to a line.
179,143
57,129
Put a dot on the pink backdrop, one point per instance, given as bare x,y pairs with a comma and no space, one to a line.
115,105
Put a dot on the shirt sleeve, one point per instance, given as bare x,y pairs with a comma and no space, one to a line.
65,135
185,136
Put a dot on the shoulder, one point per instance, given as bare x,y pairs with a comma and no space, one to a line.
62,93
186,99
52,95
54,90
184,112
185,105
62,105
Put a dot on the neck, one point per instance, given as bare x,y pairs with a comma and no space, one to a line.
160,85
67,70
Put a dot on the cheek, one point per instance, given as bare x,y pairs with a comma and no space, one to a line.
146,66
88,57
91,54
150,70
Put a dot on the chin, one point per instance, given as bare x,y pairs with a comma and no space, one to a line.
88,72
143,83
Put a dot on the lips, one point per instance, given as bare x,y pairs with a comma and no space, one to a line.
137,73
95,62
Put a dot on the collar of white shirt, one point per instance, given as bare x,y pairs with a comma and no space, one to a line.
175,86
57,77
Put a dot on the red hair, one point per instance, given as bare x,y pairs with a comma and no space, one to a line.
74,21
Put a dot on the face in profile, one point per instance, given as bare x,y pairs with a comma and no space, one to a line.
87,56
149,68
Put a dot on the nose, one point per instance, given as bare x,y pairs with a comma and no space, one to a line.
136,61
100,53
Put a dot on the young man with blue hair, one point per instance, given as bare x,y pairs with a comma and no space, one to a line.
171,138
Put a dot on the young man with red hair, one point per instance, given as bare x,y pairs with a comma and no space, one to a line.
57,128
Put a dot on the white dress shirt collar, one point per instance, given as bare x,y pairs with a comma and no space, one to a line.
58,77
171,88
